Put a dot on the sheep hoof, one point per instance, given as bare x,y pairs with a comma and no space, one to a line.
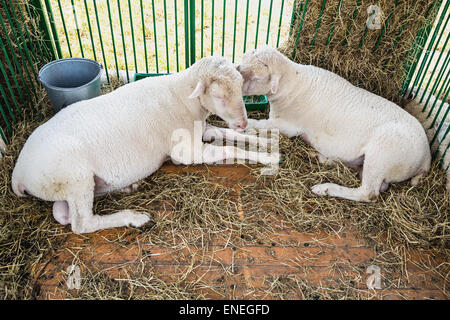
139,219
320,189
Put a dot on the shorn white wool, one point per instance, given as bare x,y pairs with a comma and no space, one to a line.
107,143
340,121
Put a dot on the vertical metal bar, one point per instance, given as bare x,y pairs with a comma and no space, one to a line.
383,31
12,72
432,55
123,40
101,40
235,26
279,23
5,98
166,36
422,69
318,23
212,28
25,65
64,26
201,27
90,29
143,36
5,118
176,33
112,38
417,48
300,28
293,16
246,27
132,37
223,26
257,24
23,46
355,13
51,20
154,32
8,85
437,82
268,24
77,27
192,29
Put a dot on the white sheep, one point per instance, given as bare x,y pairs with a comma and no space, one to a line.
340,121
109,142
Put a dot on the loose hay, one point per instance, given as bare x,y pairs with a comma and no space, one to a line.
198,209
371,59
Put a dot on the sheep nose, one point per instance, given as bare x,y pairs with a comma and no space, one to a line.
242,125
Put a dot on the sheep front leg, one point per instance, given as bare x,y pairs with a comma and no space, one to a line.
215,133
214,154
282,125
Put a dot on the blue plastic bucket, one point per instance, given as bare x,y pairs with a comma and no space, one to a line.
70,80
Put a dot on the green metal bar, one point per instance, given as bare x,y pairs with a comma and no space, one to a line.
74,11
176,34
417,47
201,27
235,26
101,40
28,41
25,65
8,124
212,28
132,37
186,32
64,26
330,35
11,91
318,23
446,90
442,122
90,30
438,80
48,52
5,98
257,24
166,36
293,16
246,27
143,36
268,24
112,38
355,13
300,28
154,32
383,31
279,23
2,133
12,69
432,55
435,67
123,41
223,26
51,20
440,143
425,61
23,46
192,29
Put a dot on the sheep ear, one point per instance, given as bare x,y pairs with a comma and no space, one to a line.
274,81
199,90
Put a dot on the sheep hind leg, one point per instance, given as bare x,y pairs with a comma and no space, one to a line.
372,184
84,221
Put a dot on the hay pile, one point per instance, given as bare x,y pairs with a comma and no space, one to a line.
199,208
371,59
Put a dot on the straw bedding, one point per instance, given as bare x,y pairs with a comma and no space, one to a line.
353,52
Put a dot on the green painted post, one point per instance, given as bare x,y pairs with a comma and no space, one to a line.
192,29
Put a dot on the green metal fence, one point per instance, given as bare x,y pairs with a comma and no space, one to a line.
159,36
